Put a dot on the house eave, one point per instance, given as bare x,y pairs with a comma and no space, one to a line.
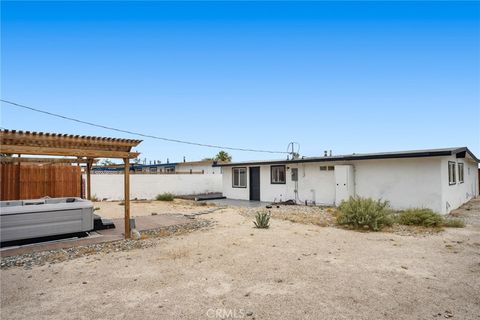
374,156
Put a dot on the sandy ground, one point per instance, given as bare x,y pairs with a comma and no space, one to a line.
233,271
113,209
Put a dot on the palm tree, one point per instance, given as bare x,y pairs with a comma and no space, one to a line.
223,156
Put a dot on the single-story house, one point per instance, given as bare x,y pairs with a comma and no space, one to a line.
440,179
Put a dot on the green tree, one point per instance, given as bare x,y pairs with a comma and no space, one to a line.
223,156
107,162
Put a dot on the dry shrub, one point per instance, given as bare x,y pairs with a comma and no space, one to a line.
165,197
361,213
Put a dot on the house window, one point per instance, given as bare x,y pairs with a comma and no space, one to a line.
239,177
277,174
452,179
460,172
327,168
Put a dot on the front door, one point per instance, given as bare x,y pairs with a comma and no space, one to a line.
255,183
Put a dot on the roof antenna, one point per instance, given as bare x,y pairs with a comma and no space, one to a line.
291,150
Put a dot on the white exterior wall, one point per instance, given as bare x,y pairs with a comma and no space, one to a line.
229,191
406,183
313,185
147,186
453,196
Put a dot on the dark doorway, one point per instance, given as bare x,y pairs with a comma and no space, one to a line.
255,183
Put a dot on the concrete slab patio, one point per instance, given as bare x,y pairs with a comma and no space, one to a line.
143,223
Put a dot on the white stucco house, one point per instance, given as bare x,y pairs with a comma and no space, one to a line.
440,179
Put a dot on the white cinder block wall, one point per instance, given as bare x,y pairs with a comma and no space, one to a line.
147,186
406,183
207,168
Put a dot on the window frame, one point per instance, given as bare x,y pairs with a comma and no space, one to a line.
460,164
233,177
453,171
284,174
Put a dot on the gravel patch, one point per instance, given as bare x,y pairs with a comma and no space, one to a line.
326,217
320,216
149,238
469,212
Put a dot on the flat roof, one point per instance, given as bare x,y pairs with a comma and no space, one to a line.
461,152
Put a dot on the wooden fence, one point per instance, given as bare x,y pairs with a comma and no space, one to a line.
34,181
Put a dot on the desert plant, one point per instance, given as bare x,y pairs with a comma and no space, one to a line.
262,220
359,213
165,197
453,223
420,217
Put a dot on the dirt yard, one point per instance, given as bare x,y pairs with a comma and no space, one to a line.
114,209
233,271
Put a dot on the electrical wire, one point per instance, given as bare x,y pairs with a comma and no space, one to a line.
138,133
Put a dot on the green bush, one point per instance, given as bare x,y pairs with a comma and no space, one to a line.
262,220
361,213
453,223
420,217
165,197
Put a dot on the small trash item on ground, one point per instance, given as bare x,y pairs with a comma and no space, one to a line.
135,234
286,203
154,213
269,206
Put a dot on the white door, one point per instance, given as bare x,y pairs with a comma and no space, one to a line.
344,183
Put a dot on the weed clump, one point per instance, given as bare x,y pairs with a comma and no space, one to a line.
361,213
420,217
165,197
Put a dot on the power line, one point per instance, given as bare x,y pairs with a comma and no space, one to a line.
137,133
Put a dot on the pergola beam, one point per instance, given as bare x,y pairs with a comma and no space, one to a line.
49,151
42,160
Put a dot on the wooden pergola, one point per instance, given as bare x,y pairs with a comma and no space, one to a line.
84,149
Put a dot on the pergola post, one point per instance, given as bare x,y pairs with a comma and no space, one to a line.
126,178
89,181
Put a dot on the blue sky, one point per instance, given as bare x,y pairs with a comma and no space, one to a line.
346,76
